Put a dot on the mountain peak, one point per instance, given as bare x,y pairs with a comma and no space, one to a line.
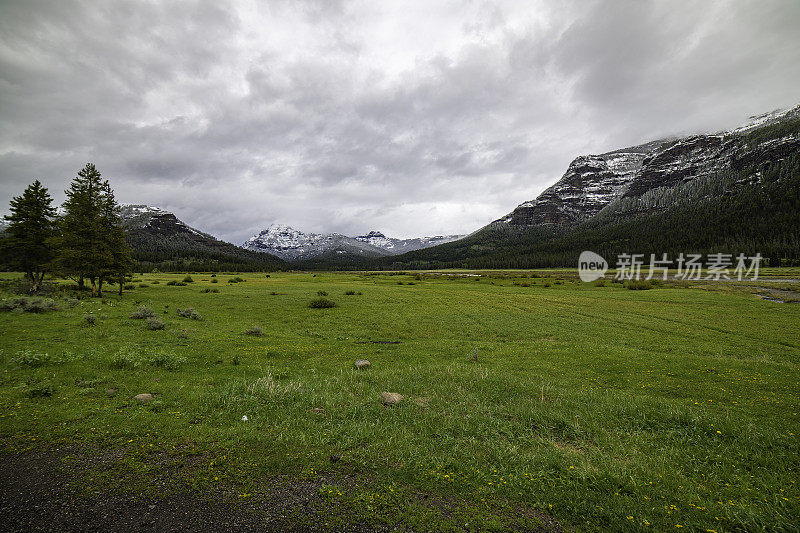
294,245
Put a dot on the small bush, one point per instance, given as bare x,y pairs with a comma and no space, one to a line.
188,279
254,331
29,305
167,361
206,291
143,312
71,302
129,286
321,303
143,285
89,320
174,283
215,281
213,275
156,282
322,293
273,293
43,389
638,285
349,293
154,323
126,359
33,359
189,312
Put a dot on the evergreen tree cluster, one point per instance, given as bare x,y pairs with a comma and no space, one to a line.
86,243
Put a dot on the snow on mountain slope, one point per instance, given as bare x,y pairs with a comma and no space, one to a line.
594,181
400,246
293,245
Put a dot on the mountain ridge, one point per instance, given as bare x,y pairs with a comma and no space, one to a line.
293,245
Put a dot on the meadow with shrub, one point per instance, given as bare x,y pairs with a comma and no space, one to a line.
530,399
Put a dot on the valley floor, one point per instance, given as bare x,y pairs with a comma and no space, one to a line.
531,401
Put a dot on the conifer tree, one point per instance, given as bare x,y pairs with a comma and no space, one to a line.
26,242
91,244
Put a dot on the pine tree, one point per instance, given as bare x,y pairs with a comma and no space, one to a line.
91,244
26,241
121,261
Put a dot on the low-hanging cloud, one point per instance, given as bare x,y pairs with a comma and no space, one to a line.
413,118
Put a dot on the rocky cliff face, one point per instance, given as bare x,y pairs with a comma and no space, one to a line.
589,184
592,182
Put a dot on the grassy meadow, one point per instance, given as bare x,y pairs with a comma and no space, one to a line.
525,398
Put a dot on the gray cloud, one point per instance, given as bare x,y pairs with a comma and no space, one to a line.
411,118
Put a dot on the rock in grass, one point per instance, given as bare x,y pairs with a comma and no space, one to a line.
145,397
391,398
362,364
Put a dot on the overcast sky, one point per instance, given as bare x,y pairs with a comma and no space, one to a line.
413,118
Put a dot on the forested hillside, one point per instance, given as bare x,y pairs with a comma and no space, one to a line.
748,203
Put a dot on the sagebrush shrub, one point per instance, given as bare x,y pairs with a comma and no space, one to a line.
189,312
143,312
154,323
29,304
254,331
188,279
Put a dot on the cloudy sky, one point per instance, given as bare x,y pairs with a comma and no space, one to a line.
413,118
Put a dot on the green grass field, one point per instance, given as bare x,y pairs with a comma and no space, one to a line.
601,407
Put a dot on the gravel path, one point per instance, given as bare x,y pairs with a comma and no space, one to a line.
36,495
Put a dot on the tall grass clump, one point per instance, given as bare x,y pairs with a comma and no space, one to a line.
321,303
134,358
167,361
638,285
34,359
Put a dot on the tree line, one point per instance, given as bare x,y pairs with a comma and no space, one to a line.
86,242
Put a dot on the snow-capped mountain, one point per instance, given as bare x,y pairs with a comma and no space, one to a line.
592,182
157,235
400,246
292,245
154,218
